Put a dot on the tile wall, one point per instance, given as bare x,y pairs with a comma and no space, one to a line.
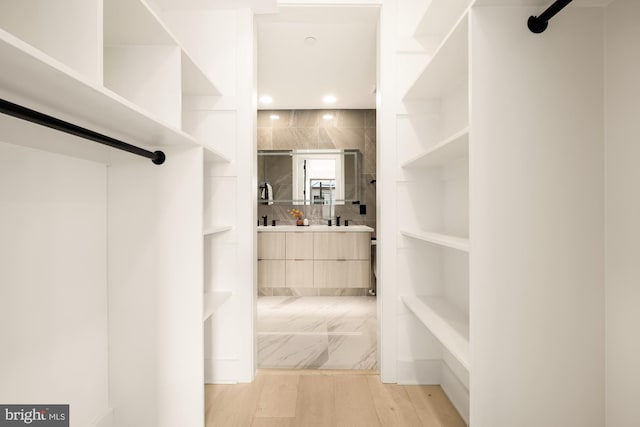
306,129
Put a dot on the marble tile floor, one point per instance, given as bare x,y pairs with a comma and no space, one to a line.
317,332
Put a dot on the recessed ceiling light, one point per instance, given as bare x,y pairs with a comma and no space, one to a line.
327,116
274,117
329,99
310,40
266,99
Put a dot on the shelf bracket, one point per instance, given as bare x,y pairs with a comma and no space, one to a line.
20,112
537,24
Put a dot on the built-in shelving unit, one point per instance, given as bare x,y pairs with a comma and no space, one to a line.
116,67
433,196
437,20
49,86
454,147
216,229
194,80
212,301
68,31
446,322
212,155
448,68
145,74
453,242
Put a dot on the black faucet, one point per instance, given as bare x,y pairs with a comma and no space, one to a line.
337,221
273,222
264,221
346,222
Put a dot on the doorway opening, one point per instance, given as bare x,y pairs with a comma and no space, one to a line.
317,75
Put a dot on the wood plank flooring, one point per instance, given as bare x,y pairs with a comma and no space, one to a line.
323,398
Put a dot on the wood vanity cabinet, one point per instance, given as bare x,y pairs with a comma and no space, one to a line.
341,260
299,260
271,246
271,264
341,245
314,259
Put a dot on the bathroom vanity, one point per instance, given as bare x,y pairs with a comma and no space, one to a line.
314,260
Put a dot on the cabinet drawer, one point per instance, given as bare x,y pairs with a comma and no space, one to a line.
299,245
271,245
341,245
271,274
299,274
341,274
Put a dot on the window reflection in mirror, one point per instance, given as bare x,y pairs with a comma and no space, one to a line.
307,177
316,166
323,191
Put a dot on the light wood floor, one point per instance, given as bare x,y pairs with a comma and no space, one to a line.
319,398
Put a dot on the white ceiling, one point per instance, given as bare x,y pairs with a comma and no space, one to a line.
342,62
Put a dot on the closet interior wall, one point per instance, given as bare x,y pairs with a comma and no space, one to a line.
622,210
537,200
53,298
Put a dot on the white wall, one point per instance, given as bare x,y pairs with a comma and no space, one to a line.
536,186
53,286
622,211
386,158
179,291
133,276
155,290
230,194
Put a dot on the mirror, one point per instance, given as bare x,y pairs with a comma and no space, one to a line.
309,177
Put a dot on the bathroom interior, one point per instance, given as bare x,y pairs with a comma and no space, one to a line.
316,161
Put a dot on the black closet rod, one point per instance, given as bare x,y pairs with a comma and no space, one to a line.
15,110
538,24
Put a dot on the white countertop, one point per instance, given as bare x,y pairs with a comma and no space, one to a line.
317,228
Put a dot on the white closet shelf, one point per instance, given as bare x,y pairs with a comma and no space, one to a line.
216,229
446,322
448,69
455,146
211,155
194,81
33,79
454,242
439,17
212,302
133,22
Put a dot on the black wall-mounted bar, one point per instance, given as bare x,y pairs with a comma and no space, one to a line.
538,24
15,110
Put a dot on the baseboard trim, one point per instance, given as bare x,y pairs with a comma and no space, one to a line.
221,371
456,391
426,371
436,372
